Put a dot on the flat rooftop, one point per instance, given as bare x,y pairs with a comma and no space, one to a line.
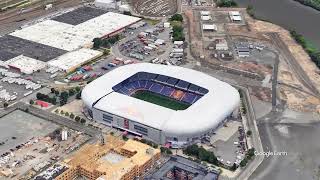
198,171
79,16
12,46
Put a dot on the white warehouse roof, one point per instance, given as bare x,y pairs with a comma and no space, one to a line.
74,59
69,37
210,27
26,64
206,113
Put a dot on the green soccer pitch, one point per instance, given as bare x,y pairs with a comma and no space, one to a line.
160,100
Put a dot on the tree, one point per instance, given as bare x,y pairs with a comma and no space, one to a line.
78,96
71,92
124,137
82,121
249,133
97,43
233,167
56,111
31,102
176,17
111,133
71,115
66,114
78,89
61,112
244,162
77,118
5,105
53,90
128,13
226,3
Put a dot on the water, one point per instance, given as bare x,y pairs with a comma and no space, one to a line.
290,15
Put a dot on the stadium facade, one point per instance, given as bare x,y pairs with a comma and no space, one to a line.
167,104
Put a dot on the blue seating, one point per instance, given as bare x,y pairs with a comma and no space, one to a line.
156,88
143,84
135,84
172,81
162,79
182,84
189,98
117,87
167,91
155,83
196,99
202,91
124,91
148,85
193,88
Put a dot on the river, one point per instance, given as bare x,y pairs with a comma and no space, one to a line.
290,15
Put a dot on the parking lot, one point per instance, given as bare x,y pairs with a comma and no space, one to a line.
154,8
29,143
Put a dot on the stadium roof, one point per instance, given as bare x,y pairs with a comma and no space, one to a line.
221,100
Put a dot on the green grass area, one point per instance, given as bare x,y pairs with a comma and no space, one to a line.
312,3
160,100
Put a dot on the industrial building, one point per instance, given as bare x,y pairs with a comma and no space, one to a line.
62,42
205,15
181,168
106,4
235,16
209,27
72,60
221,45
115,159
203,102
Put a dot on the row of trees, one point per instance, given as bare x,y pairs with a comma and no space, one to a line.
46,98
249,155
64,95
71,116
106,43
312,51
202,154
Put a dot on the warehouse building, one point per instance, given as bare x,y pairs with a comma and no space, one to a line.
63,41
209,27
72,60
193,104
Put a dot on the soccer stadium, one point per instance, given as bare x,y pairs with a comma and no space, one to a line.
166,104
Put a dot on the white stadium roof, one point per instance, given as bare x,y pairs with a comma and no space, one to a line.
221,100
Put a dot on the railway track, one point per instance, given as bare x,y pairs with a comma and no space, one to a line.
293,64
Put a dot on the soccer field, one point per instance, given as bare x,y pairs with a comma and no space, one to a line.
160,100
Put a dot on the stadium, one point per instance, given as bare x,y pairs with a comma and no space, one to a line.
167,104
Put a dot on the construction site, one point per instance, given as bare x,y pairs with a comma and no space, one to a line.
30,144
109,159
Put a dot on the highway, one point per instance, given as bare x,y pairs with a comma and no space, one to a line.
293,63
